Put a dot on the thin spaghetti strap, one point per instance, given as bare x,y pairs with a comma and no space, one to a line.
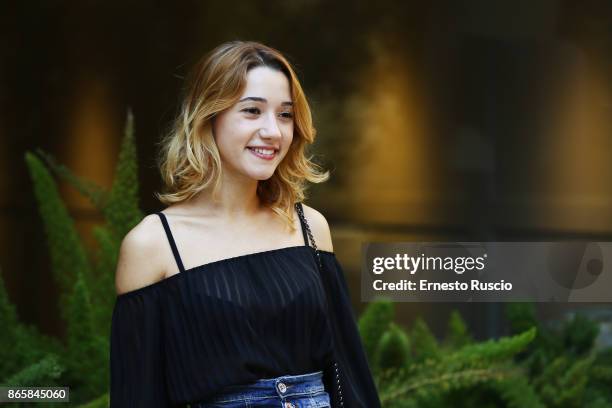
300,211
175,251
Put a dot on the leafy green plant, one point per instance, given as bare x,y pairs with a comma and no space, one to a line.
26,356
412,369
84,279
562,365
536,366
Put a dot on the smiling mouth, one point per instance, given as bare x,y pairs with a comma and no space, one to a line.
266,154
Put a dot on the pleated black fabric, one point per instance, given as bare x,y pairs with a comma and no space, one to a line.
234,321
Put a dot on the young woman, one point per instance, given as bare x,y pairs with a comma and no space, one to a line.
232,295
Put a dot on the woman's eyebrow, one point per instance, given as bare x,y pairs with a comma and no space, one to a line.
264,100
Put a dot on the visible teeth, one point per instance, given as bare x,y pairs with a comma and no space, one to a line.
263,151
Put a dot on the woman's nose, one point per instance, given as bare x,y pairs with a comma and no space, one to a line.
270,128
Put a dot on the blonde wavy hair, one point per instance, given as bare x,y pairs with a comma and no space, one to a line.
189,160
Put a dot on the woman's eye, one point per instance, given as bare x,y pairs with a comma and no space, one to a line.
254,111
257,111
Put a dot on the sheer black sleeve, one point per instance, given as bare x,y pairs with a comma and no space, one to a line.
136,351
357,385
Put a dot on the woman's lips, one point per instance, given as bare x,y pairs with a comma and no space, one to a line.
262,155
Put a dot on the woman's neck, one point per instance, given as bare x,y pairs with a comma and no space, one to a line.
233,201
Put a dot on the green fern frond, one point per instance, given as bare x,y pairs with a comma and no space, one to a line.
457,332
68,256
97,195
373,323
44,371
441,383
517,392
122,211
491,350
424,344
393,349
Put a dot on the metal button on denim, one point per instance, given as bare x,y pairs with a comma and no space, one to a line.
282,387
289,405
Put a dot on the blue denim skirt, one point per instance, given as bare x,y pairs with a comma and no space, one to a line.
287,391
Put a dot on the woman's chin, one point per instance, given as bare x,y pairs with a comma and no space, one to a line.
264,178
261,175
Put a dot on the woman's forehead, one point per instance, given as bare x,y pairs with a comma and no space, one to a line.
267,83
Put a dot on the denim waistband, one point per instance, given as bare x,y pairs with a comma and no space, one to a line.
283,386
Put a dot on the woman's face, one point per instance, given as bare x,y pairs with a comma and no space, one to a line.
254,135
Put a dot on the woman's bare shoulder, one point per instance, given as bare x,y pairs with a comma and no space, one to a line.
142,256
319,227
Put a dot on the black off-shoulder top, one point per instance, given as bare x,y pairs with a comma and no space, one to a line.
183,339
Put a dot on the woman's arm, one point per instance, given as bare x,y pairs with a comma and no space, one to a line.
140,260
138,377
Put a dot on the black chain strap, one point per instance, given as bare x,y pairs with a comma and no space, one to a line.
300,211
